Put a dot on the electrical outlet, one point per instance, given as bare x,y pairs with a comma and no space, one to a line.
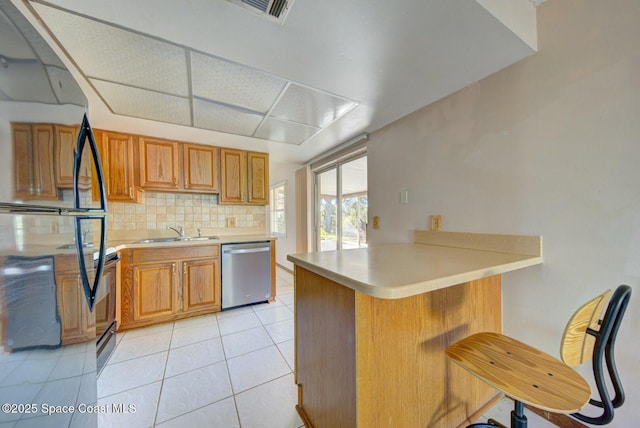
436,223
376,222
53,227
231,222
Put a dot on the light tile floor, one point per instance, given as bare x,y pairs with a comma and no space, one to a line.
231,369
226,370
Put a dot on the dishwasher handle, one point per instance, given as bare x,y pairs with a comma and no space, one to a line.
246,250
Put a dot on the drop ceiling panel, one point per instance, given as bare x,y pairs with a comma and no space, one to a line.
14,33
26,82
309,106
285,132
234,84
65,87
110,53
144,104
216,117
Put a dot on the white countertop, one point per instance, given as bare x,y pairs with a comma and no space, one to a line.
402,270
53,248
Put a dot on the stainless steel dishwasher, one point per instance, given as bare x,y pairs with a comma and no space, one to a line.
246,273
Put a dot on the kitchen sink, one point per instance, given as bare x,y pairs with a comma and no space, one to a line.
176,239
198,238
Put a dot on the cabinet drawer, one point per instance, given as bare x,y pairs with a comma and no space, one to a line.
163,254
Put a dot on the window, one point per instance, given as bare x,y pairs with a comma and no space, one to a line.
342,205
278,209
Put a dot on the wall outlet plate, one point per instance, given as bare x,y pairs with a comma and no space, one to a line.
231,222
436,222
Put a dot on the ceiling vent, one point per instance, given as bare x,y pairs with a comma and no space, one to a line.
275,10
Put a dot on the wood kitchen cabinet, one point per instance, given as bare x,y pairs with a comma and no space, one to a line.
155,291
200,285
171,166
78,324
159,164
244,177
201,165
66,141
118,163
33,149
158,286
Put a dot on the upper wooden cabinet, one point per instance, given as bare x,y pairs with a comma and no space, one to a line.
65,146
159,164
245,177
258,182
171,166
200,168
33,148
117,155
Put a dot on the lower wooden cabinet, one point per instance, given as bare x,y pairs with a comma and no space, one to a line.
155,291
157,287
78,324
199,280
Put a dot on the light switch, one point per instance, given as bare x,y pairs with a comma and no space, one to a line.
404,197
376,222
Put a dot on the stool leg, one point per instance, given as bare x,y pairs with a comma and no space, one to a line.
518,419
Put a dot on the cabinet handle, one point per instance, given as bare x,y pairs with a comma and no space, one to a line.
175,182
131,192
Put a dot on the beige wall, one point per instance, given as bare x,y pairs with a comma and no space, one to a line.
549,146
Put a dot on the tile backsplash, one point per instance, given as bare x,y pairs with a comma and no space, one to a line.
191,211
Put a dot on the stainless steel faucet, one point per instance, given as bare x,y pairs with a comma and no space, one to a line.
179,230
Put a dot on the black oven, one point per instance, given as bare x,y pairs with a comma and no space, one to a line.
105,310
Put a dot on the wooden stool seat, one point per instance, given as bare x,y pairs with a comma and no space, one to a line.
522,372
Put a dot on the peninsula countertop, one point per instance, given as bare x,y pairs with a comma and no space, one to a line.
436,260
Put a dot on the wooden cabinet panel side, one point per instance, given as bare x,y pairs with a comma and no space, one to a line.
325,350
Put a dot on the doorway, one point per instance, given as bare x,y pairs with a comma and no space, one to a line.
342,205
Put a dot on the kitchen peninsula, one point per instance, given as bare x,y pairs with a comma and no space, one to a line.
372,324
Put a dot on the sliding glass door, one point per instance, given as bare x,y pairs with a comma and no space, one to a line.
341,205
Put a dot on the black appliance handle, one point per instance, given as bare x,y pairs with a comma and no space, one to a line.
86,134
90,290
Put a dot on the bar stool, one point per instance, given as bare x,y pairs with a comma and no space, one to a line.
530,376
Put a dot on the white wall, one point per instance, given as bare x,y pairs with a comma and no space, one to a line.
279,172
549,146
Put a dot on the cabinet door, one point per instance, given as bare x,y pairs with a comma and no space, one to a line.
155,293
159,164
77,323
233,174
118,165
33,161
22,159
201,165
201,284
258,180
66,142
43,173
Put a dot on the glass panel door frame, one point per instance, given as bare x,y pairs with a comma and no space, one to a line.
337,167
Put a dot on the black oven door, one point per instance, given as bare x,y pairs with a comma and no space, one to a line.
105,312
